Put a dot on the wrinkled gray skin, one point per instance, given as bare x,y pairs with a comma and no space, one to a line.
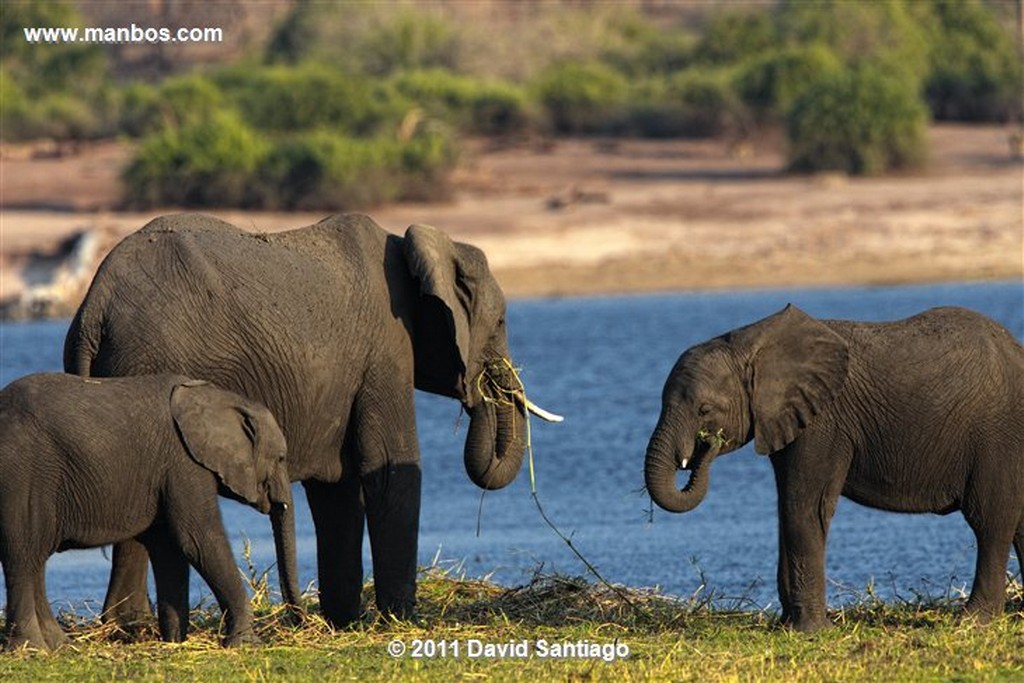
89,462
331,326
920,415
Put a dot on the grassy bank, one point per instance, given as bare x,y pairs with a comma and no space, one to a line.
667,639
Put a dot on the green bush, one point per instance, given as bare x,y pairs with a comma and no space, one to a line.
583,98
177,102
310,96
409,40
324,170
861,121
211,163
370,38
886,34
17,113
735,35
708,103
771,82
975,67
58,115
483,107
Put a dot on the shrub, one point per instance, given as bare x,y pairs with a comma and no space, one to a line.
484,107
770,83
177,102
210,163
707,102
886,34
409,40
325,170
734,35
18,120
583,97
370,38
862,121
975,70
310,96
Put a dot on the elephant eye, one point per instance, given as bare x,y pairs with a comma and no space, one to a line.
704,409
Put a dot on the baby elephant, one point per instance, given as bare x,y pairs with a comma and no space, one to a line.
920,415
88,462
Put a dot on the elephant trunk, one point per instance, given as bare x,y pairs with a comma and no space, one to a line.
282,520
495,444
665,456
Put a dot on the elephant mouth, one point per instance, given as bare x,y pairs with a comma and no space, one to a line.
696,458
499,383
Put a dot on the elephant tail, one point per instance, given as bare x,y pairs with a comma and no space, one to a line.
82,343
77,354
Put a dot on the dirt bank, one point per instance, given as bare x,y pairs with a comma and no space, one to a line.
603,216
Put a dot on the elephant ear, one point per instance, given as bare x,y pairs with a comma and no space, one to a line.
436,262
798,368
219,434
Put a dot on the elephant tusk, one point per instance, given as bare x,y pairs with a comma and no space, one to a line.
683,463
541,413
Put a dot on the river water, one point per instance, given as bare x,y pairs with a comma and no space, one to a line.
602,363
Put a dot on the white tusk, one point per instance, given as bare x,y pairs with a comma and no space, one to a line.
684,463
541,413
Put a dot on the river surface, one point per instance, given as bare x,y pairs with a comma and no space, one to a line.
602,363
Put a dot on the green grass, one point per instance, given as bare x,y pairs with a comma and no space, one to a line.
668,639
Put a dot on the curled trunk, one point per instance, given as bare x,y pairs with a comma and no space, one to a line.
495,444
665,456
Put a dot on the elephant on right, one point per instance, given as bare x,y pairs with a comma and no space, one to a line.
924,414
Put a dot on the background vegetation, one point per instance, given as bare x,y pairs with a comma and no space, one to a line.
344,104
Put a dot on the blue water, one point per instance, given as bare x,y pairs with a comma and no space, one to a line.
602,363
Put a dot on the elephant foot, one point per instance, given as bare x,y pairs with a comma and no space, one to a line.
135,631
22,641
292,616
808,624
56,638
974,615
134,624
399,610
340,614
241,639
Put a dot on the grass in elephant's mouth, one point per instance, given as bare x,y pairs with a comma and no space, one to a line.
695,638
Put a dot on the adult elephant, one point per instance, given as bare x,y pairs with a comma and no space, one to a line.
920,415
331,326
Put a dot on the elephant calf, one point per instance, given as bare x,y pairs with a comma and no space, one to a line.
88,462
919,415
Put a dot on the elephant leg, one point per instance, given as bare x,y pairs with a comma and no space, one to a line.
23,627
391,480
988,592
782,576
392,512
51,630
127,600
170,571
202,540
808,495
985,507
338,517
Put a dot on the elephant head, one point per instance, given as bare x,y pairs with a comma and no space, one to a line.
240,442
461,349
765,382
